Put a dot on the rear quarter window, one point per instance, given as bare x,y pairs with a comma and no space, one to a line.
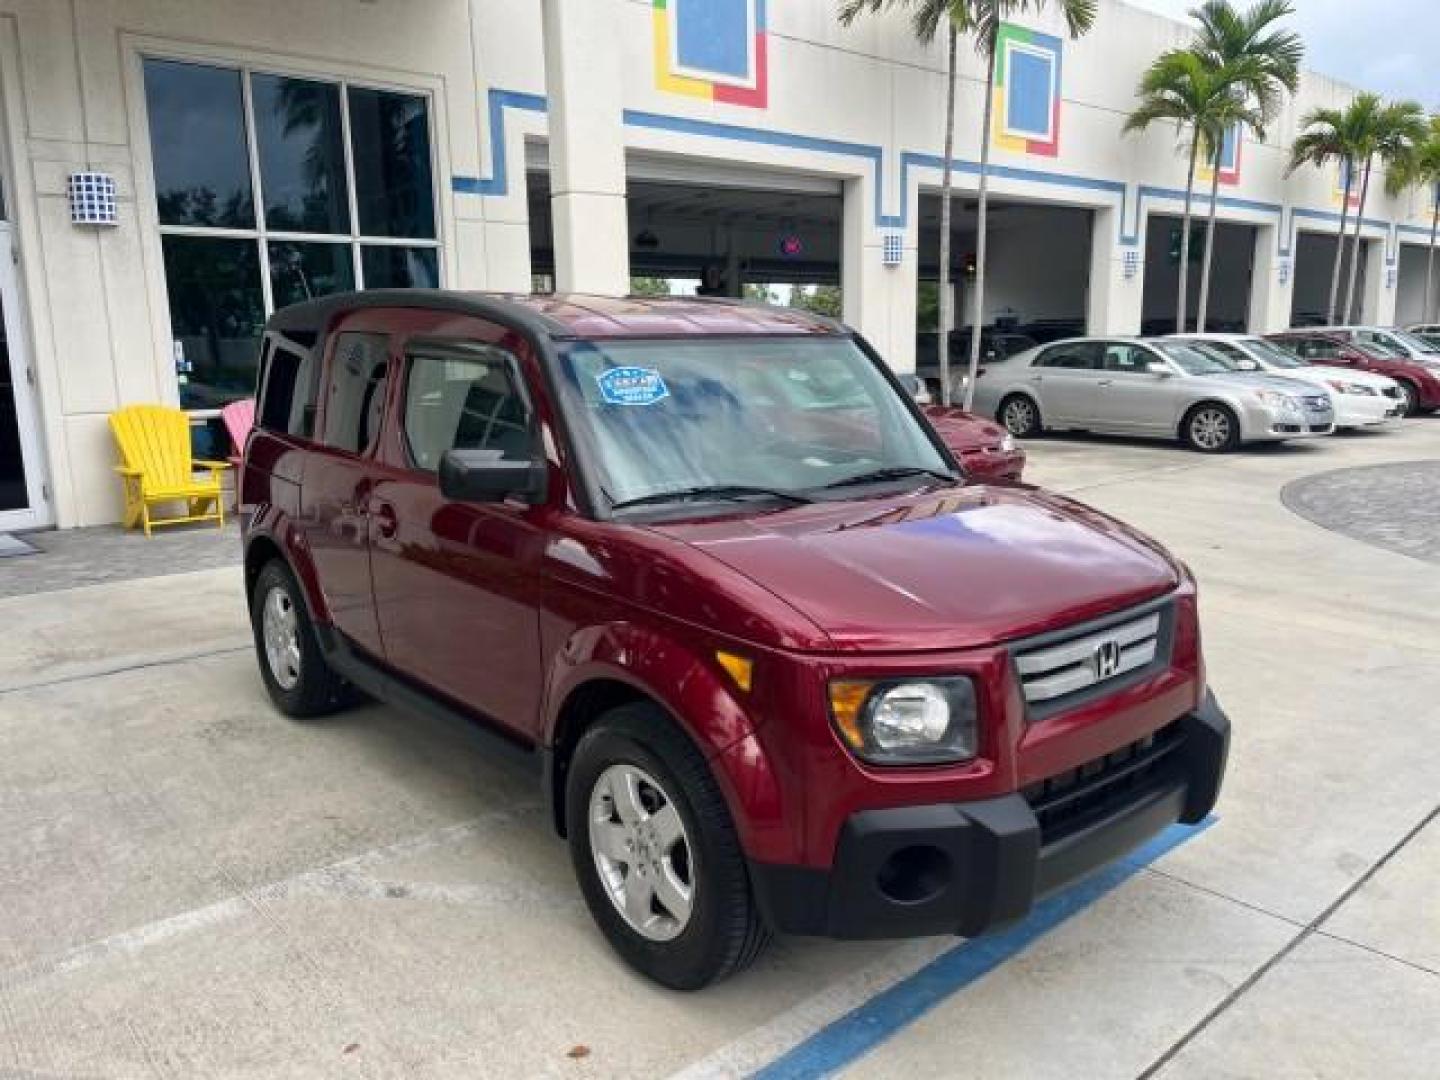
289,382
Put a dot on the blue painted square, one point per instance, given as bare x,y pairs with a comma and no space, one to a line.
713,36
1228,148
1028,103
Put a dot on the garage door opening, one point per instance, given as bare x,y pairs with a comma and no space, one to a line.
1037,282
718,236
1314,264
1230,273
1411,303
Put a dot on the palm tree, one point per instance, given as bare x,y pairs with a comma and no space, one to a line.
1336,135
980,19
1264,61
1183,87
1418,170
1399,127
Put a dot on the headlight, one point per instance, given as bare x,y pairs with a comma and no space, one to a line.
1007,443
1349,388
906,722
1276,400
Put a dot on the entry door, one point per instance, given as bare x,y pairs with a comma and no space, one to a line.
456,585
22,469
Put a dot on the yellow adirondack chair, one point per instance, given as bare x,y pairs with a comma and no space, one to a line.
157,468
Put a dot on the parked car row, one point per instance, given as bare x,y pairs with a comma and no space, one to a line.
1216,391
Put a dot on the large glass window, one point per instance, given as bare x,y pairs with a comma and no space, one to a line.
272,190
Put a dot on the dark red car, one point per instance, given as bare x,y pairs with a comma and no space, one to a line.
775,669
1419,382
985,450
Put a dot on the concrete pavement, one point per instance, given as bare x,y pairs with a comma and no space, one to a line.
192,886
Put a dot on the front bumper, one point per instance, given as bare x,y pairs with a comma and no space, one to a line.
1353,410
963,868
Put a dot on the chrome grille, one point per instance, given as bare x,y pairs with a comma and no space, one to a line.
1089,659
1318,403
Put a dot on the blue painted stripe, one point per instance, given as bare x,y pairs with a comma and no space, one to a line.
497,183
860,1031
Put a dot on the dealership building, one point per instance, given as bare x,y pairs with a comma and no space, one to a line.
174,170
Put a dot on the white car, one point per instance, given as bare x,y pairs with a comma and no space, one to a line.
1362,399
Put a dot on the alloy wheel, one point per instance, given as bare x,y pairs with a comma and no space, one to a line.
642,852
281,633
1210,429
1019,416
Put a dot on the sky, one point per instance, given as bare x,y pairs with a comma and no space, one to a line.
1389,46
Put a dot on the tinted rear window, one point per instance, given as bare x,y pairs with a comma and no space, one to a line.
287,393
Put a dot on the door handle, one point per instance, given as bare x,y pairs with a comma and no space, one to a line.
386,523
1105,382
1036,378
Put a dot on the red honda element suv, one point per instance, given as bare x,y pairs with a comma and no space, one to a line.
778,665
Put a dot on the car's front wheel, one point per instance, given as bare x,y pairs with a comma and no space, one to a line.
1211,429
1409,399
1020,416
656,853
299,680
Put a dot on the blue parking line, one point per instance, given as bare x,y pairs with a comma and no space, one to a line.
832,1048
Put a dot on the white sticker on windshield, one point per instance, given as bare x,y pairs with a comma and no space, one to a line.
631,386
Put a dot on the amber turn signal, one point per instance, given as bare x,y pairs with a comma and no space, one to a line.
741,669
847,698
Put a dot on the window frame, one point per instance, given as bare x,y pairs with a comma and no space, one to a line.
432,348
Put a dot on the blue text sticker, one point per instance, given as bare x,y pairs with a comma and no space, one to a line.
631,386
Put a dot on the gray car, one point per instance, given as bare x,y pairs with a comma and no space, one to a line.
1160,388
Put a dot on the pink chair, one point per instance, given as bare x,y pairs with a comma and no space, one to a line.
238,418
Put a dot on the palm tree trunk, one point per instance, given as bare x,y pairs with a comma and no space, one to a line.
981,215
1340,246
1209,247
947,300
1355,246
1183,299
1426,308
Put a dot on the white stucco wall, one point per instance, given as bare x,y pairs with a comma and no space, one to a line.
860,107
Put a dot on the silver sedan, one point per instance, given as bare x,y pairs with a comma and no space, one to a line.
1162,389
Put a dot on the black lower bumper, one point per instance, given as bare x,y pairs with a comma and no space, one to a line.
963,868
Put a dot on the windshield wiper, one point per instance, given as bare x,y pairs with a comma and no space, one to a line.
719,492
893,472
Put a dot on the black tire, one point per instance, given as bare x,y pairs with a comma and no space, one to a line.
724,932
1409,397
1211,428
317,689
1020,416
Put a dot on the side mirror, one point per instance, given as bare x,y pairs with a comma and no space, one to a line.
1155,367
479,476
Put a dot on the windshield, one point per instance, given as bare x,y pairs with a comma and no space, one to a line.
1415,341
783,416
1271,353
1191,360
1382,349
